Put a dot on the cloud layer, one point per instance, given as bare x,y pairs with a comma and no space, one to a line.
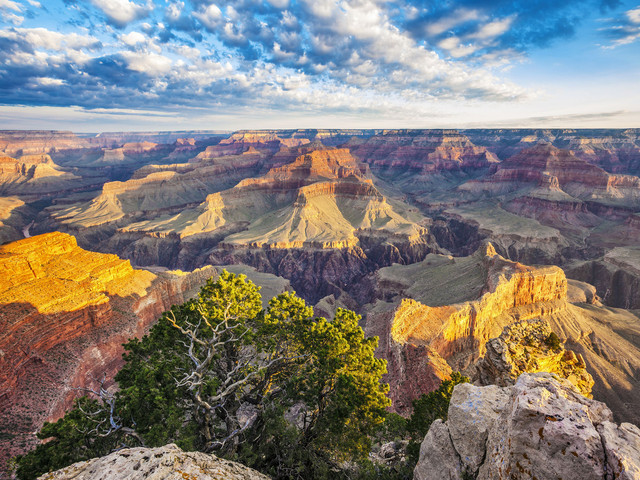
278,55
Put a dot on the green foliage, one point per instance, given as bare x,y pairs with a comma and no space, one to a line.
428,408
312,388
333,384
69,440
553,341
148,391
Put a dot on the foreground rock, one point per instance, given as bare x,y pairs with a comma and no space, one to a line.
539,428
164,463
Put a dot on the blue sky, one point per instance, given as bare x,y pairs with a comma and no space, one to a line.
92,65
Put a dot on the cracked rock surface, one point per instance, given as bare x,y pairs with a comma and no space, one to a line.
163,463
541,427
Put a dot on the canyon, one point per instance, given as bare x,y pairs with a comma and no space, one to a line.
449,243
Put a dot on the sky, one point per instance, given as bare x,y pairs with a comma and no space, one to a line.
117,65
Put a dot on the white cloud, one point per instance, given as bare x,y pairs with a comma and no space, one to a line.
174,10
633,15
35,3
48,81
146,62
123,12
46,39
12,18
492,29
10,5
458,17
210,17
626,31
455,48
133,38
364,27
321,9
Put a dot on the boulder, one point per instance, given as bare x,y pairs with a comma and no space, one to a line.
438,457
163,463
541,427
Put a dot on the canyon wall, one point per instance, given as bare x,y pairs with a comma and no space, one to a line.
64,314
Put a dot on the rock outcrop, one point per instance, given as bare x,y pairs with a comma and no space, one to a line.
163,463
445,309
33,174
530,347
436,316
65,313
539,428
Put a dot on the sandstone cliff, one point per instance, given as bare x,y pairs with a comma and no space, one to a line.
436,316
539,428
441,312
168,462
64,314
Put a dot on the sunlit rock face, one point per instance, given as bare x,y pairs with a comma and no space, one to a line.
448,308
64,314
539,428
529,347
34,174
441,314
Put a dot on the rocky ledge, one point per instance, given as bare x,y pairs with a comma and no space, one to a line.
539,428
530,347
163,463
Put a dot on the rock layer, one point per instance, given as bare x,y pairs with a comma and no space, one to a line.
64,314
451,308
